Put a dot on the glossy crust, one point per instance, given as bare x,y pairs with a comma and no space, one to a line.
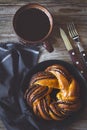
53,93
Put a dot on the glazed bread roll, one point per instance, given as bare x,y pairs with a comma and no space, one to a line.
53,93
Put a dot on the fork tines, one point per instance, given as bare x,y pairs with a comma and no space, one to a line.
72,30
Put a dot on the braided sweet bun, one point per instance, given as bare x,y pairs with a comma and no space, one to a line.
53,93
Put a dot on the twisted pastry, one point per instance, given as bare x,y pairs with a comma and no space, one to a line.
53,93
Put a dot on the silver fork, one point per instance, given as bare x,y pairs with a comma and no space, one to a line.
75,36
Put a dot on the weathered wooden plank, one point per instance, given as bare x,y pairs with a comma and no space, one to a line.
80,20
58,9
45,1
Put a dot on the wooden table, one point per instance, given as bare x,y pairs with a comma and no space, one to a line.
63,11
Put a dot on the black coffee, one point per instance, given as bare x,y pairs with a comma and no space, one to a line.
32,24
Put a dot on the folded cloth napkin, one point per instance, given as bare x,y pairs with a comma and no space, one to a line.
15,62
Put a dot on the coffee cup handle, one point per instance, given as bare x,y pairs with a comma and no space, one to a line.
48,46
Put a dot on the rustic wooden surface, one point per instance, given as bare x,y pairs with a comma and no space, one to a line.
63,11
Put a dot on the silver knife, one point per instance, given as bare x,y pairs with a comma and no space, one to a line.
73,55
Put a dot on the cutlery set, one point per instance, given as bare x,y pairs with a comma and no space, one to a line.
75,36
81,66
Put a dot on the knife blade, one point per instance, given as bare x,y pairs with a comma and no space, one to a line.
75,59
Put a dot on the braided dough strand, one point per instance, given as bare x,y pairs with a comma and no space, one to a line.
47,104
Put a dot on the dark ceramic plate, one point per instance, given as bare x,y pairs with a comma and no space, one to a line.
51,125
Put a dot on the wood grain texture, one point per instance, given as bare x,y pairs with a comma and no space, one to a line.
63,11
